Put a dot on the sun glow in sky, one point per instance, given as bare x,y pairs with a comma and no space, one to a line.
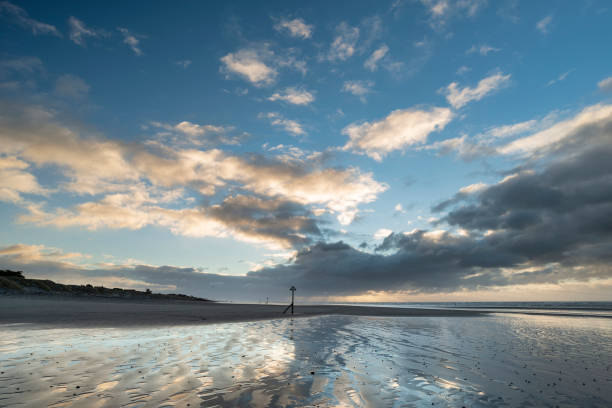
400,150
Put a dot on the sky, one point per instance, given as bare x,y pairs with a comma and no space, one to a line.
407,150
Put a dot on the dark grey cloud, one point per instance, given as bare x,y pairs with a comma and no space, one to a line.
273,219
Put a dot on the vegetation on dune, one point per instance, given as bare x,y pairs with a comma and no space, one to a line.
14,283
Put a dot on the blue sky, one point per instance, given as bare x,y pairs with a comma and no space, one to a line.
222,138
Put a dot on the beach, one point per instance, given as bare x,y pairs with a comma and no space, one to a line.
109,312
326,361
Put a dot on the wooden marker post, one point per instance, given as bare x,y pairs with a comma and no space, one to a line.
292,289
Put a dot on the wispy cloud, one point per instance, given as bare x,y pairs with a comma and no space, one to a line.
483,49
372,62
560,78
183,63
291,126
295,28
293,95
344,45
79,31
71,86
131,40
459,97
442,11
189,133
544,24
22,65
20,17
358,88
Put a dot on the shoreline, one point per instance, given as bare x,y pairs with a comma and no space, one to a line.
54,311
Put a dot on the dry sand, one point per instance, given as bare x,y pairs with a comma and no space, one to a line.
107,312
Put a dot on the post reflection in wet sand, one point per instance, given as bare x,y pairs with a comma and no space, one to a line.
326,361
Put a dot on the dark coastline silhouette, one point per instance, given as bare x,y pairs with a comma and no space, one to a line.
14,283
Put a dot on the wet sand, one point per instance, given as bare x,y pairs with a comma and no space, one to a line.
326,361
108,312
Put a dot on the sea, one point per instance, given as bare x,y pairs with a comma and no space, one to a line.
584,309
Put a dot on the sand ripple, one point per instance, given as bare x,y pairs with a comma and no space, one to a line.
325,361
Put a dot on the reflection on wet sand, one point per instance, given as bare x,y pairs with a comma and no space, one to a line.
326,361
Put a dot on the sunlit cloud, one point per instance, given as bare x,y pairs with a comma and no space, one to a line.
249,64
459,97
400,129
136,181
294,96
295,28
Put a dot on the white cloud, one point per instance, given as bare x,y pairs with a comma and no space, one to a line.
372,62
605,84
358,88
400,129
296,27
382,233
398,208
295,96
71,86
131,40
291,126
250,65
459,97
596,115
543,25
20,17
482,49
79,31
343,46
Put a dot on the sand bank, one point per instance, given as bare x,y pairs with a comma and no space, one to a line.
100,312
